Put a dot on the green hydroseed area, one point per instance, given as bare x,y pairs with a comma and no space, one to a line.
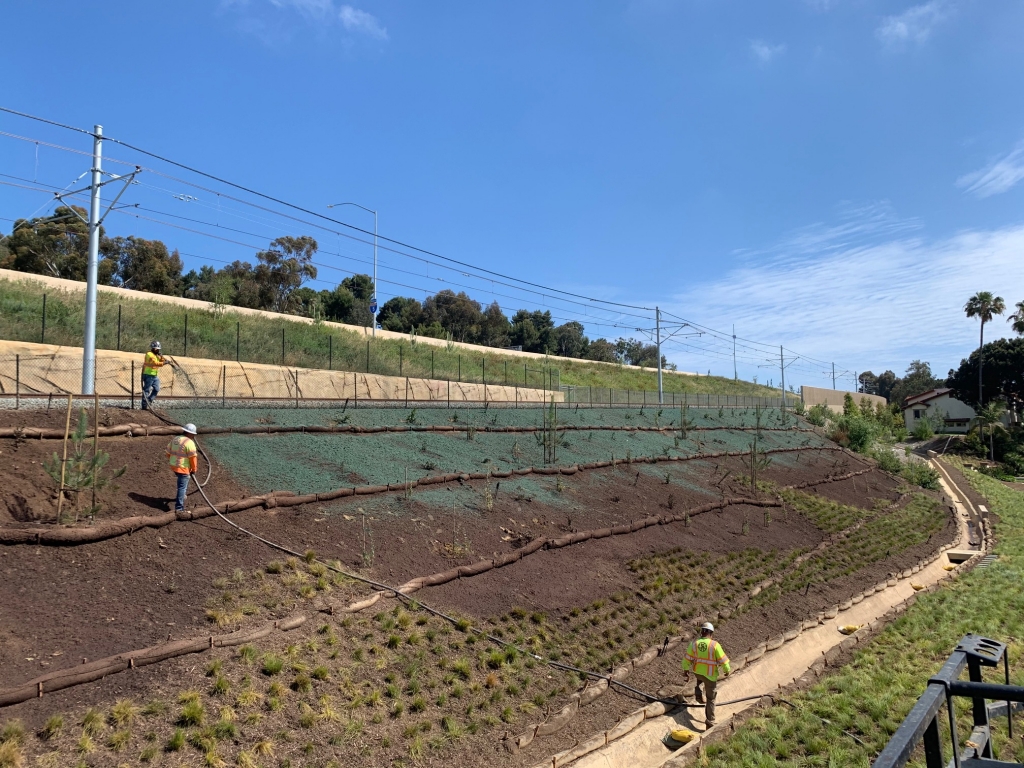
313,463
500,416
870,697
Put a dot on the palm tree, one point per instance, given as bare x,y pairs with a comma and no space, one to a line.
1017,318
984,306
990,416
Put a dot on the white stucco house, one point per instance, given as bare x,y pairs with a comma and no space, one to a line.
946,413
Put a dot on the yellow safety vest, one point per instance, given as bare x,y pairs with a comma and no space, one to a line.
181,454
151,364
707,658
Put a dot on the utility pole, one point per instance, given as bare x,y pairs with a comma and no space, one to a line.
657,331
375,304
782,364
734,376
833,375
92,268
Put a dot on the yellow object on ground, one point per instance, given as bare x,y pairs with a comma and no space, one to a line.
917,587
682,735
849,629
948,567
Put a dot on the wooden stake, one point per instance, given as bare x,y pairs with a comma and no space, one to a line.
64,461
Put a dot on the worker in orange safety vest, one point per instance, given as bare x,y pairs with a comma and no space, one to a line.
182,456
706,658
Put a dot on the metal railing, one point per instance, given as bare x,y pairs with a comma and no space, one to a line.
922,724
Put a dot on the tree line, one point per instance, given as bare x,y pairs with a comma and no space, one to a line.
57,245
993,372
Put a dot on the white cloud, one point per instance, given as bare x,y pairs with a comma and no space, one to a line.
356,20
998,176
269,19
871,292
764,52
914,25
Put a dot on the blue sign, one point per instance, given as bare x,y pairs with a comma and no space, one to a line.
373,308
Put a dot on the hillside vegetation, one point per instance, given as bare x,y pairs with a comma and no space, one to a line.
848,717
219,333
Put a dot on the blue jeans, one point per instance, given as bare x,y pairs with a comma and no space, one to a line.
150,389
179,502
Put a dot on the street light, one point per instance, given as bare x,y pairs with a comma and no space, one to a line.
374,299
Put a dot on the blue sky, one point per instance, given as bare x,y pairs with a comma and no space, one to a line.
834,175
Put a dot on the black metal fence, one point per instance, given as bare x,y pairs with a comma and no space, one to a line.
922,724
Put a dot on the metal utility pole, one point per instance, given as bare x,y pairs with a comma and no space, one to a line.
782,364
92,267
833,375
657,331
373,299
735,377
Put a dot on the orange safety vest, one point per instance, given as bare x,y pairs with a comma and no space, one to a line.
181,452
151,364
706,658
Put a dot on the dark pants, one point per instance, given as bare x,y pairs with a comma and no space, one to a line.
708,697
150,389
179,502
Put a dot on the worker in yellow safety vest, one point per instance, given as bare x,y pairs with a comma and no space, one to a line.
182,456
151,366
706,658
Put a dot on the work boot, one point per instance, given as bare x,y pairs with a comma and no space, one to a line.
698,694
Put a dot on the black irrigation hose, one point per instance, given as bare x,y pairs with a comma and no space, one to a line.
440,614
413,603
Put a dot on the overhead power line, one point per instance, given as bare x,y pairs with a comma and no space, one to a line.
716,344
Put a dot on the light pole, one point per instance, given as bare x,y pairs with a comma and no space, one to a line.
374,299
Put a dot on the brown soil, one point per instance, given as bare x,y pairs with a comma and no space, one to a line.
59,605
164,576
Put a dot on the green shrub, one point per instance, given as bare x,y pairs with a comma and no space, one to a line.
887,460
923,429
819,414
920,474
272,665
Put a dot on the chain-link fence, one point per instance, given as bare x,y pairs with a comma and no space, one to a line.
635,398
28,377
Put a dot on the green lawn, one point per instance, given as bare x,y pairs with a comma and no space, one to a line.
224,335
871,696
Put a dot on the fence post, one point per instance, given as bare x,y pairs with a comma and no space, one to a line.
238,341
296,373
118,327
330,353
224,386
406,391
42,338
17,382
185,353
282,346
449,392
133,385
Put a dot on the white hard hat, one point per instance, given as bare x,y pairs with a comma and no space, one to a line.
155,345
189,429
708,626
